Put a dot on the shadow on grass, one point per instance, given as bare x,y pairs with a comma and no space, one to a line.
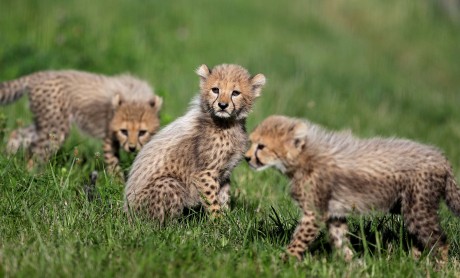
382,234
368,235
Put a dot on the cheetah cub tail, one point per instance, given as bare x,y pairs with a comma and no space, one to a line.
14,89
452,194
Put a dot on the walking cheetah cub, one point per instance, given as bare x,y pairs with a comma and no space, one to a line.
121,110
189,162
334,174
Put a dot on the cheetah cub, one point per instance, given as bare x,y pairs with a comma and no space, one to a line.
334,174
121,110
189,161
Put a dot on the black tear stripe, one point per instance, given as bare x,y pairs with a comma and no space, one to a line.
234,106
217,97
258,162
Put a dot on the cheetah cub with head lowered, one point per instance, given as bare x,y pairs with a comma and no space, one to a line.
121,110
334,174
189,162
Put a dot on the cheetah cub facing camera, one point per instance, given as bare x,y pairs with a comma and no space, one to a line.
334,174
189,161
121,110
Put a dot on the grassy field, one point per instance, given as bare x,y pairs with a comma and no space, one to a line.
388,68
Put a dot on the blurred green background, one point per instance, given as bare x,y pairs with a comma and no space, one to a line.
380,68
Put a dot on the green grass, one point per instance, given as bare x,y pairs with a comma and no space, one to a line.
388,68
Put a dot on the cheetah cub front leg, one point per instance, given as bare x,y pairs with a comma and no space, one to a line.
111,157
208,186
224,196
304,234
338,230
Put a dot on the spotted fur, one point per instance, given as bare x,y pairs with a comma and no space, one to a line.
122,110
334,174
189,161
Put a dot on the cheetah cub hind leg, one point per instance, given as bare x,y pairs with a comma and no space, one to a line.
21,138
422,221
164,199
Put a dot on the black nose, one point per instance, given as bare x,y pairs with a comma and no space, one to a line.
132,149
222,105
247,158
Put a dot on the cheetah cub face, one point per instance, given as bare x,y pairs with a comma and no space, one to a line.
276,142
228,91
133,124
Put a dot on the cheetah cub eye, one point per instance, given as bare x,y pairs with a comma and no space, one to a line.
215,90
235,93
124,132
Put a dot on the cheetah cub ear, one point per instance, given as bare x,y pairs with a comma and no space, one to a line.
117,101
296,140
203,71
300,134
156,103
257,82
